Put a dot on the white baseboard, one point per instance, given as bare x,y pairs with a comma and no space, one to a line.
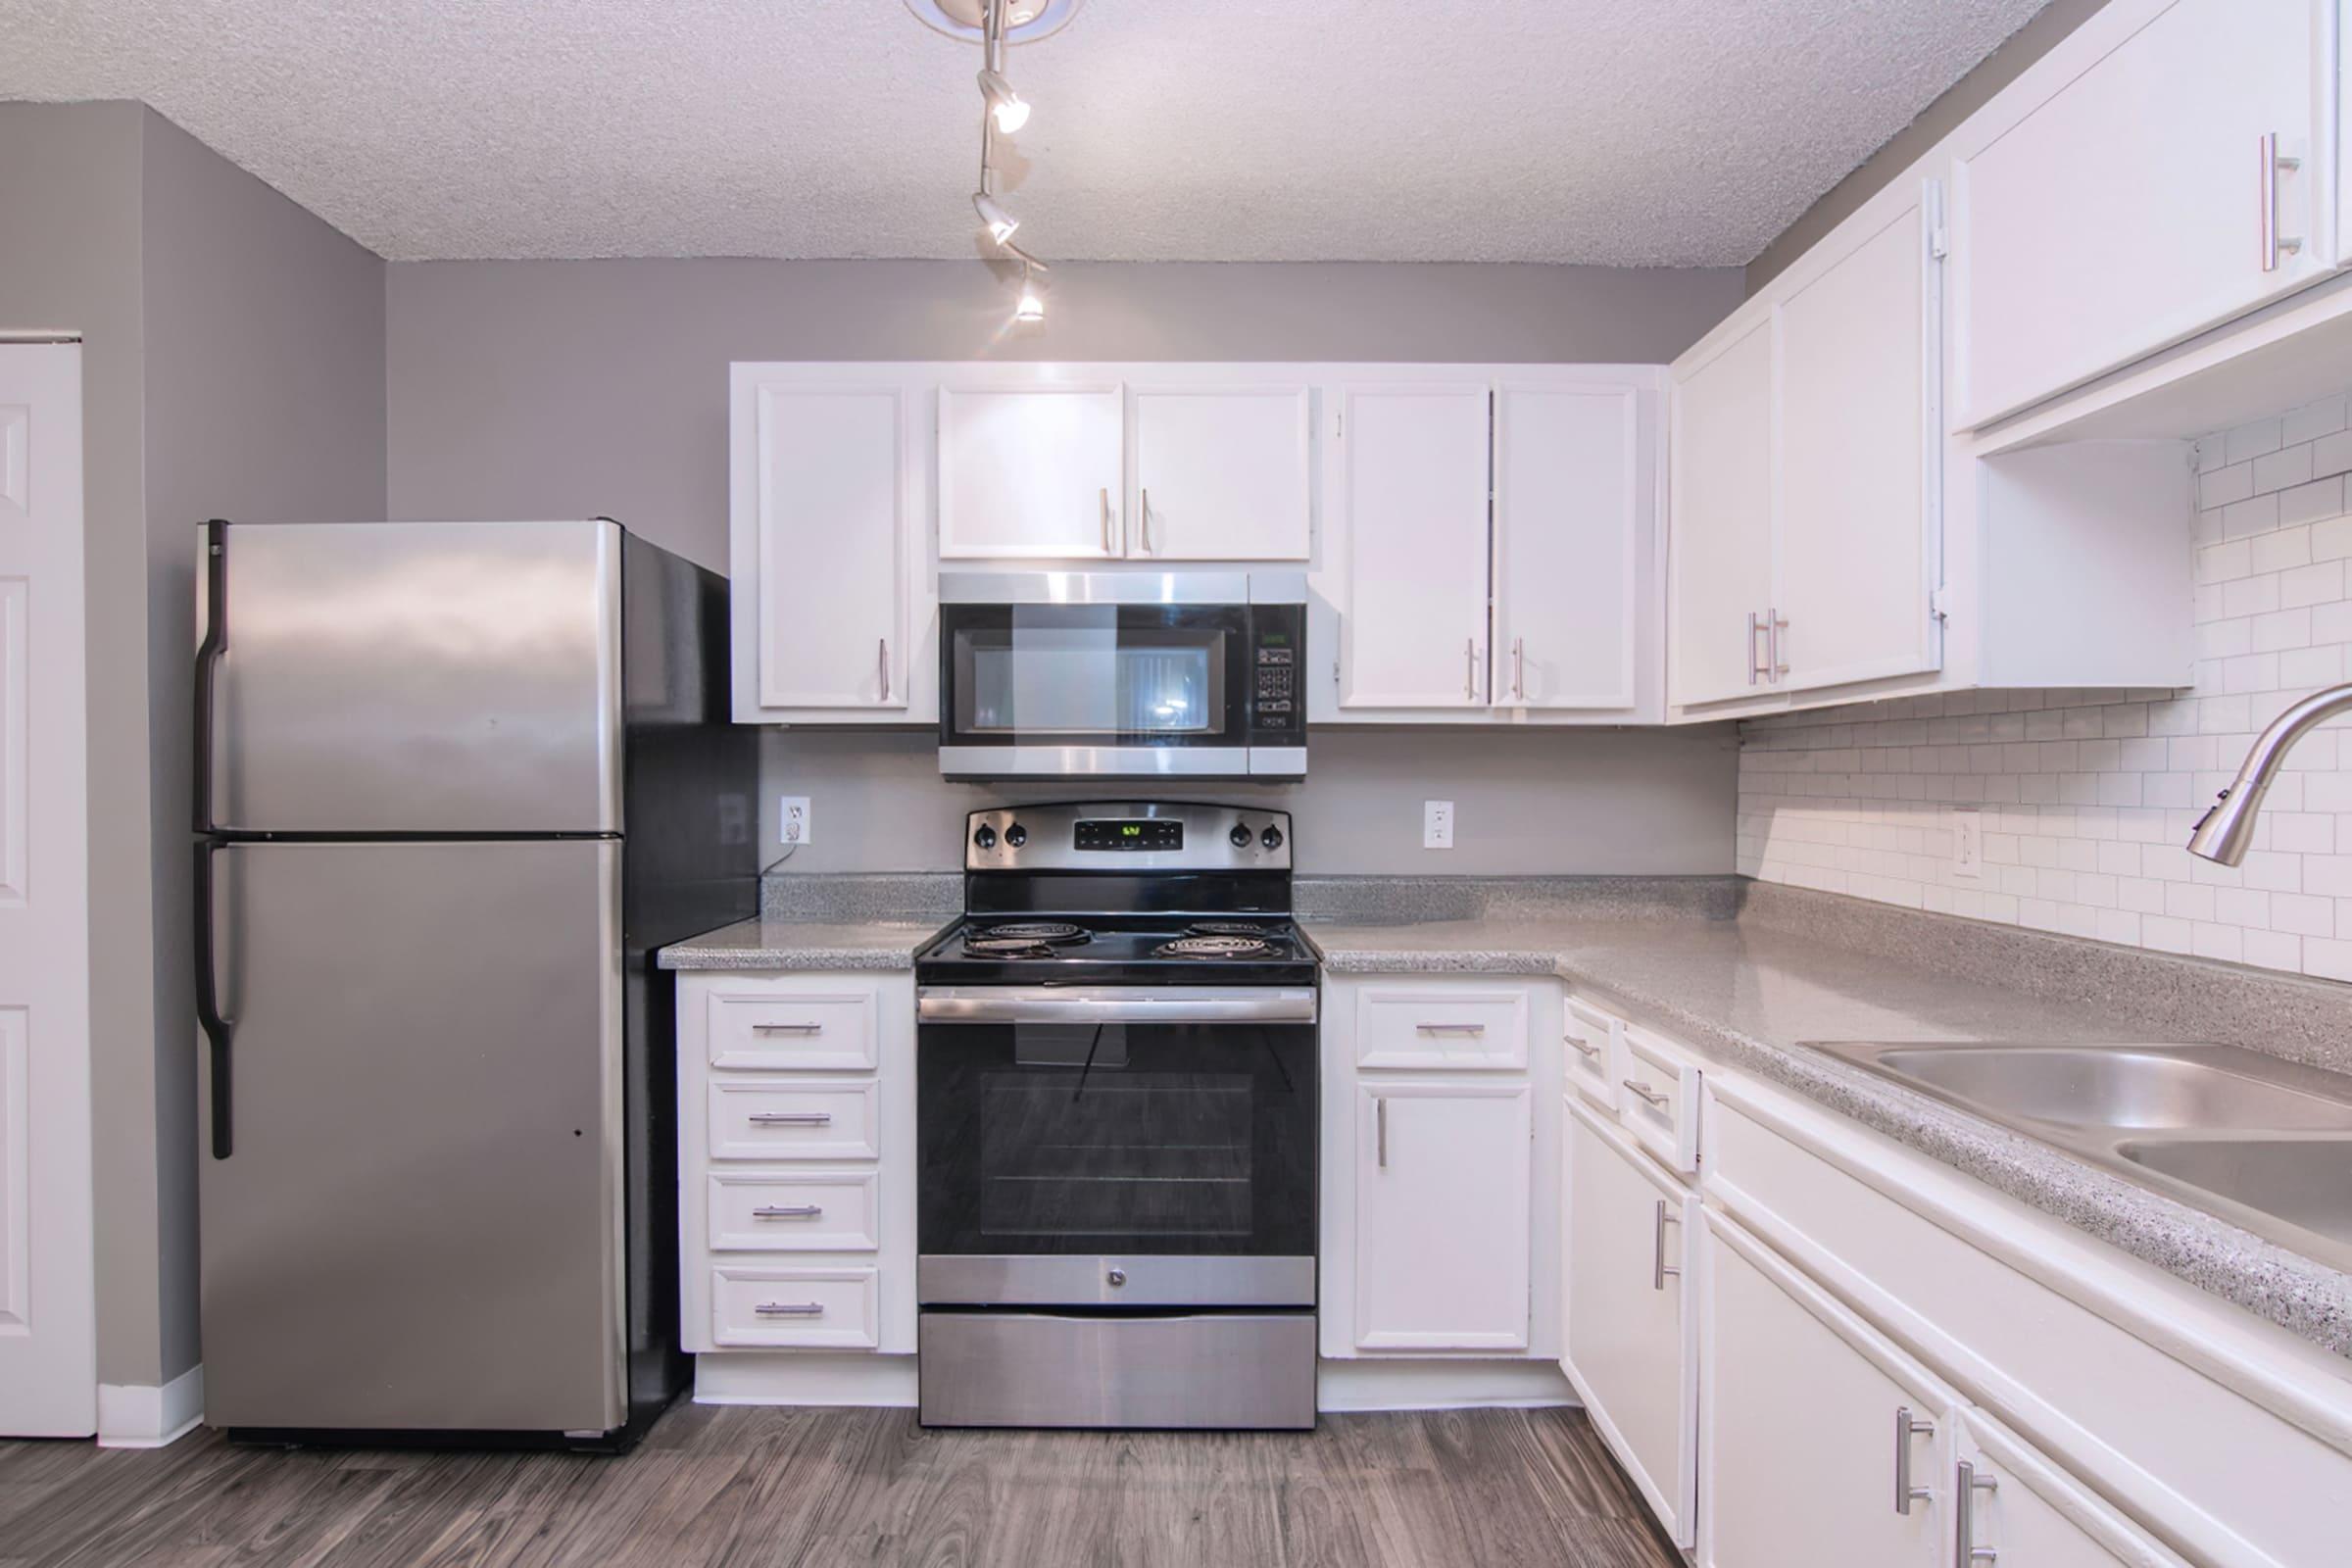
140,1415
804,1377
1438,1383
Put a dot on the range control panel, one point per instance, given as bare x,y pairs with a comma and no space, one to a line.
1127,835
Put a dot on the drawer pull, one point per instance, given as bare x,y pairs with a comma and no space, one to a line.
788,1028
1584,1049
790,1309
1452,1028
1966,1551
792,1118
789,1211
1907,1427
1642,1091
1660,1271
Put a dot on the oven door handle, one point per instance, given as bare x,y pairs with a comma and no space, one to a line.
1114,1004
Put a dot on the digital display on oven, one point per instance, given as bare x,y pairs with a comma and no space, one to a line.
1150,834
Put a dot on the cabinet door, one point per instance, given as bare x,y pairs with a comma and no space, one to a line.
1859,431
1441,1223
1569,499
2023,1510
1220,474
1630,1341
1413,467
1031,472
834,537
2123,209
1820,1441
1719,538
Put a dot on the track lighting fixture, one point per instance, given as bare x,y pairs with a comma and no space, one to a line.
1010,109
1006,110
1032,306
1001,223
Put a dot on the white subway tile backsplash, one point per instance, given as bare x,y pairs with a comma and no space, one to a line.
2087,798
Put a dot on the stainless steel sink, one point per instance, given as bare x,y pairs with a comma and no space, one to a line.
2264,1143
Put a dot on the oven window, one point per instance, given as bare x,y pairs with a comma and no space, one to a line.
1074,681
1125,1138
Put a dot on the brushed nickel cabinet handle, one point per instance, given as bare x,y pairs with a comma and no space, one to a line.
884,657
1584,1049
787,1028
1470,668
1906,1427
1519,668
1108,547
1146,510
2274,244
792,1118
1755,666
1659,1271
1964,1525
1380,1123
789,1211
1642,1091
790,1309
1780,655
1452,1028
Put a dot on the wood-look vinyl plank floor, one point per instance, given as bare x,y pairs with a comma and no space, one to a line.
715,1486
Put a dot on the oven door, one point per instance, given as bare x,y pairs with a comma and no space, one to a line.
1117,1148
1060,689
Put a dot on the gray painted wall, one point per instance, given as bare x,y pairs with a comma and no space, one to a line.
232,366
265,374
572,388
1935,122
1526,800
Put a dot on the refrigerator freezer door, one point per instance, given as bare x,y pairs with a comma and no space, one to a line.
418,1224
417,677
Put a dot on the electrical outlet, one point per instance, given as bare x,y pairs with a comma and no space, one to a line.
795,817
1968,844
1436,824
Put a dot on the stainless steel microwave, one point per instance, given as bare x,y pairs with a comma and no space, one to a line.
1077,674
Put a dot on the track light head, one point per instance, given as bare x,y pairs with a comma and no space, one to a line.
1001,223
1032,305
1008,107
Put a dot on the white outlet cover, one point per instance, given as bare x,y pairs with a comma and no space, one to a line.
792,819
1967,844
1436,824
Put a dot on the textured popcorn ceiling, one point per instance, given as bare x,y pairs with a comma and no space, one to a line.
1642,133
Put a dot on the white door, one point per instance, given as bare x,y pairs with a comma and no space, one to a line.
2025,1511
1820,1441
1031,472
1443,1232
1413,482
1630,1346
2125,210
48,1358
833,504
1719,539
1859,431
1570,495
1220,473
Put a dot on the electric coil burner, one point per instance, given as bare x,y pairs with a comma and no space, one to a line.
1116,1124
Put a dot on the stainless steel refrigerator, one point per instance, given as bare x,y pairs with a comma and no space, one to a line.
453,783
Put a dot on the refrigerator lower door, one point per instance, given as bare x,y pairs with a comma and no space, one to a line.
414,677
418,1224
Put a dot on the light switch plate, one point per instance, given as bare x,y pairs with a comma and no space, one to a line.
1436,824
794,818
1968,844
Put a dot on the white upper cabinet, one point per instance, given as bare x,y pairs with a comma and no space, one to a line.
1413,478
1220,473
1573,483
1032,473
1720,544
1860,436
827,549
2105,207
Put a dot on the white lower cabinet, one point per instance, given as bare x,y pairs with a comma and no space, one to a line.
2012,1506
1821,1444
1442,1186
1628,1331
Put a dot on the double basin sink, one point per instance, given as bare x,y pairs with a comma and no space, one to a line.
2261,1142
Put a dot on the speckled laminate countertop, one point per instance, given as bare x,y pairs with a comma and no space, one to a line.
787,944
1748,995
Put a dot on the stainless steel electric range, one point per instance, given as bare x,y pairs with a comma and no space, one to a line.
1116,1122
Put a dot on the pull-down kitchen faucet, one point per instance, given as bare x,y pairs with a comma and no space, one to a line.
2226,829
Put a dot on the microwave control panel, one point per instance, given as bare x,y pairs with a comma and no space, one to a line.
1278,696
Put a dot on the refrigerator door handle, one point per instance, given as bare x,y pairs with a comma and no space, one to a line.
208,661
208,1000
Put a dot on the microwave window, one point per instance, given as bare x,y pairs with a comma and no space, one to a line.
1069,680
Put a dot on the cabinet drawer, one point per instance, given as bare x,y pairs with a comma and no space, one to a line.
1591,1038
1423,1026
793,1211
828,1031
832,1307
793,1118
1658,1094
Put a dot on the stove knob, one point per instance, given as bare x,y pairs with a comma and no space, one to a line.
986,838
1239,837
1271,838
1116,1277
1016,835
